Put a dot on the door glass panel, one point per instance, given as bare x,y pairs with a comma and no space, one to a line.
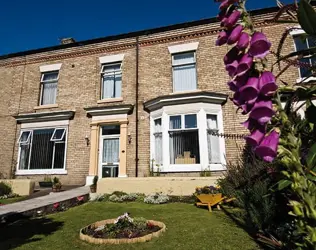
110,150
109,171
111,130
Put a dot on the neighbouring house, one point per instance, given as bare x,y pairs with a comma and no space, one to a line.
119,105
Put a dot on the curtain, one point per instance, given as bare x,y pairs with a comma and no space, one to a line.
212,140
184,72
49,93
110,150
112,85
24,156
175,122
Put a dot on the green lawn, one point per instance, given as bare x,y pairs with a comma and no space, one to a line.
188,227
12,200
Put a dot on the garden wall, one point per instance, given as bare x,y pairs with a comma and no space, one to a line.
148,185
21,187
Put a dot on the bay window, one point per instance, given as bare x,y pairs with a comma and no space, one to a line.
213,142
42,149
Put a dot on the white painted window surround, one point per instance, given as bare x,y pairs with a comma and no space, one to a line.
111,58
62,124
296,32
51,67
180,48
201,110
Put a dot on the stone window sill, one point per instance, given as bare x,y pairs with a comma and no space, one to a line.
46,106
118,99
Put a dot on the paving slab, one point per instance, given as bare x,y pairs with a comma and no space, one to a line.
27,205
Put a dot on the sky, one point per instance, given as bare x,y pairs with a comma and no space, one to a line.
32,24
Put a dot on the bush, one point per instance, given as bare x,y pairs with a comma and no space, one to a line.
157,198
5,189
124,197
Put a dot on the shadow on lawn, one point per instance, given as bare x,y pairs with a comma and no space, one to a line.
17,233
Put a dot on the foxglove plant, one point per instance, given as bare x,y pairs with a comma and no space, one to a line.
253,88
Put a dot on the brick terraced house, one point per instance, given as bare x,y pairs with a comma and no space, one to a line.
115,106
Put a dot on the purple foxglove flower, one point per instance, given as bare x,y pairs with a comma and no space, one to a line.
255,137
232,55
250,124
225,4
222,38
236,99
221,15
232,86
245,64
259,45
230,20
241,80
267,83
246,108
262,111
235,34
231,68
268,147
243,41
249,92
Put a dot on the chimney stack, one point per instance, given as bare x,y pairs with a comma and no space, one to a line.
67,40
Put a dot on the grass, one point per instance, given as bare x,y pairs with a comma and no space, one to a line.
188,227
12,200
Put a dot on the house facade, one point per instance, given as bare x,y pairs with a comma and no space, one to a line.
121,105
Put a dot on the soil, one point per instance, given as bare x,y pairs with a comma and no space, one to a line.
122,235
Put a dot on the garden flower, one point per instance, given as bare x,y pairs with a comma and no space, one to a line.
249,92
232,55
222,38
259,45
268,147
244,65
267,83
56,205
262,111
256,137
231,19
232,86
246,108
243,41
80,198
235,34
231,68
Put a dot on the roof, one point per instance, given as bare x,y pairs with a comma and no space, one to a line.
131,34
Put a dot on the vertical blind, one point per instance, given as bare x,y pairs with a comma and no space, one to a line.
158,141
111,150
212,140
49,88
184,72
112,81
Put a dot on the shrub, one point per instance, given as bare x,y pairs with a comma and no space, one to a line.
157,198
123,198
5,189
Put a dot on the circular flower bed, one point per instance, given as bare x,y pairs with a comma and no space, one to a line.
124,229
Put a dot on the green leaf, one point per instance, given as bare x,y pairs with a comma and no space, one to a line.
311,157
283,184
307,17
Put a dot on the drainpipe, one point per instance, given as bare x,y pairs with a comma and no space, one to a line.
136,105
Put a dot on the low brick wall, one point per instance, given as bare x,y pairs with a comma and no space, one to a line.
21,187
148,185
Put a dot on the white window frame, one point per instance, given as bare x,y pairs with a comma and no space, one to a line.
201,110
60,139
184,64
109,73
43,171
48,81
28,138
296,32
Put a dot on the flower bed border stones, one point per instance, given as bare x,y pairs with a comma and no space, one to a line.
145,238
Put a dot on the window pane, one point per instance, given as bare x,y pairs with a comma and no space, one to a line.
184,147
158,125
213,140
58,134
111,68
190,121
111,150
25,137
175,122
112,86
211,121
158,141
109,171
300,43
42,149
59,155
184,78
24,156
111,130
183,58
305,71
49,93
51,76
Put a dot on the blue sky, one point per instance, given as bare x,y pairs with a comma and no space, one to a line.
33,24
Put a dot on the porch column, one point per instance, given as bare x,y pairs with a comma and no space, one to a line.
123,145
94,144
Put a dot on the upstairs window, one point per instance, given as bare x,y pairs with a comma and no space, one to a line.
303,42
49,82
184,72
111,80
